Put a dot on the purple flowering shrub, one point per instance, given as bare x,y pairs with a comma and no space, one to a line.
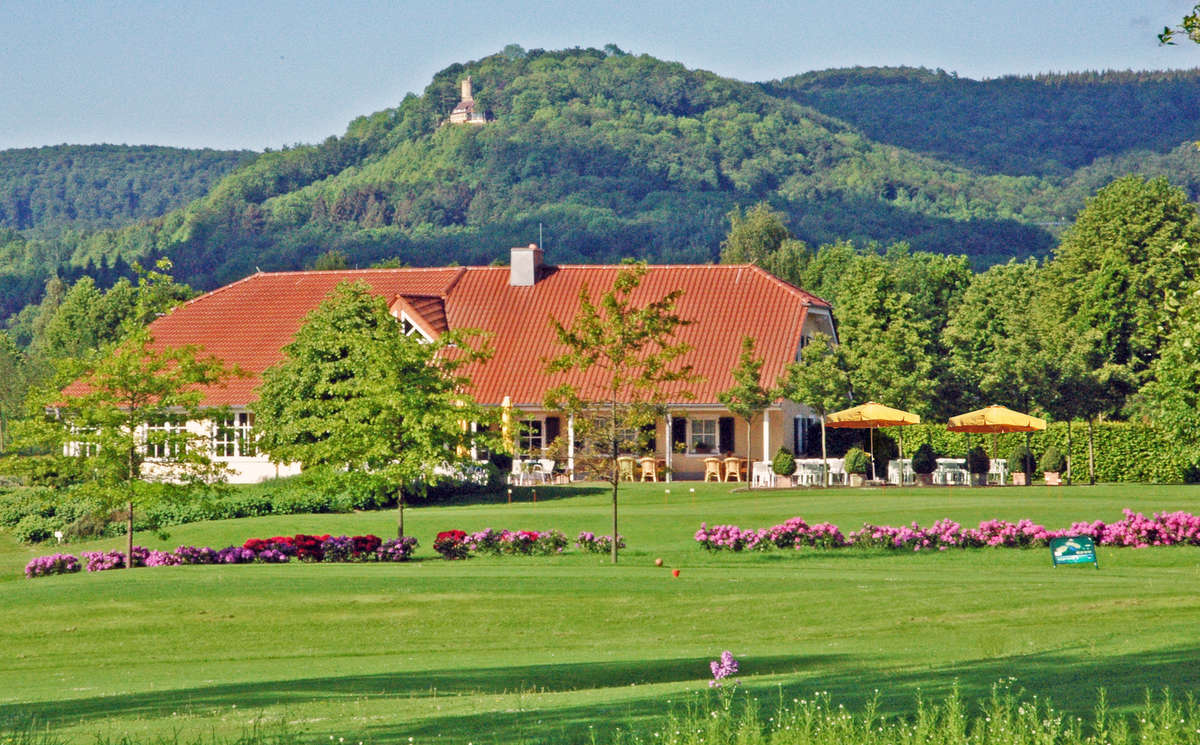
277,550
1133,530
513,542
397,549
722,668
44,566
598,544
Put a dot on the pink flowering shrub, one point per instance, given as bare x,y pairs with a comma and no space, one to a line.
1133,530
597,544
513,542
44,566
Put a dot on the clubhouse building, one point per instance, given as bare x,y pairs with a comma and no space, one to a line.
248,323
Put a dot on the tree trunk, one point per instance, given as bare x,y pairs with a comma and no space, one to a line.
3,429
749,455
1069,452
615,540
129,537
1028,462
615,472
825,477
1091,454
400,513
129,516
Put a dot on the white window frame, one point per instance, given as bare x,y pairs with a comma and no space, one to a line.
82,448
169,447
233,436
532,431
694,435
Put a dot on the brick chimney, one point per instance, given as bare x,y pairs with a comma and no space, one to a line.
524,265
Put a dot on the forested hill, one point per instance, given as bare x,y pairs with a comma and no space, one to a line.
47,190
1044,125
610,155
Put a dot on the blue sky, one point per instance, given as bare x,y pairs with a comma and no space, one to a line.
265,74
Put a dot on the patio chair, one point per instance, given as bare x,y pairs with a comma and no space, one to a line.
763,475
837,470
625,466
733,469
712,468
649,468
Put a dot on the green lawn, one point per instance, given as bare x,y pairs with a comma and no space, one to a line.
538,649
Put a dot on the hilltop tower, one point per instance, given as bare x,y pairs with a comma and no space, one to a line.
465,112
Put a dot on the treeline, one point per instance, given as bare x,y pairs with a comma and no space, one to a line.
609,155
612,154
48,190
1044,125
1107,327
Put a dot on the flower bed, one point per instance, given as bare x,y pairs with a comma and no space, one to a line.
1134,530
458,544
598,544
276,550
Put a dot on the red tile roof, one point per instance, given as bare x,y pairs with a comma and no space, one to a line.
249,322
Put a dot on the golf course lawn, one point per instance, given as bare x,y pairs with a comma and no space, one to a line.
540,649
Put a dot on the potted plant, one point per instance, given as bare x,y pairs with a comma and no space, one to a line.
784,464
924,463
700,446
1052,463
1020,464
857,465
978,465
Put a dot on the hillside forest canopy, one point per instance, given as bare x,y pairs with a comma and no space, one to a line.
607,154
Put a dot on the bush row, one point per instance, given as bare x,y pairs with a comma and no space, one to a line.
36,513
459,544
1124,451
276,550
1133,530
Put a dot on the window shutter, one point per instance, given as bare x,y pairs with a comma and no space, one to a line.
553,427
725,441
678,433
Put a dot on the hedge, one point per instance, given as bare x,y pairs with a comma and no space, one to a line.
1124,451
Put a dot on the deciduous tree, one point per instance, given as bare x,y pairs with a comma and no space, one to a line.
129,416
819,380
747,397
354,392
630,357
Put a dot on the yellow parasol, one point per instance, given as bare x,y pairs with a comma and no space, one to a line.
994,420
870,416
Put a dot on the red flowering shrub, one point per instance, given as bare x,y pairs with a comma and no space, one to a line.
365,544
309,546
451,544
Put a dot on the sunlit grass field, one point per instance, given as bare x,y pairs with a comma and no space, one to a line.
561,649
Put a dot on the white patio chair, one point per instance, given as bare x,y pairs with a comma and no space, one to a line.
837,471
763,475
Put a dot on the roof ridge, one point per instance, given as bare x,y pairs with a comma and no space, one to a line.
220,289
803,293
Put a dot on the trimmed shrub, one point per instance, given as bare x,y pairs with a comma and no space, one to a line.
784,463
924,460
977,461
857,461
1019,458
1052,460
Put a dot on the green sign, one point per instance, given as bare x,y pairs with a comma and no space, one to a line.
1078,549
